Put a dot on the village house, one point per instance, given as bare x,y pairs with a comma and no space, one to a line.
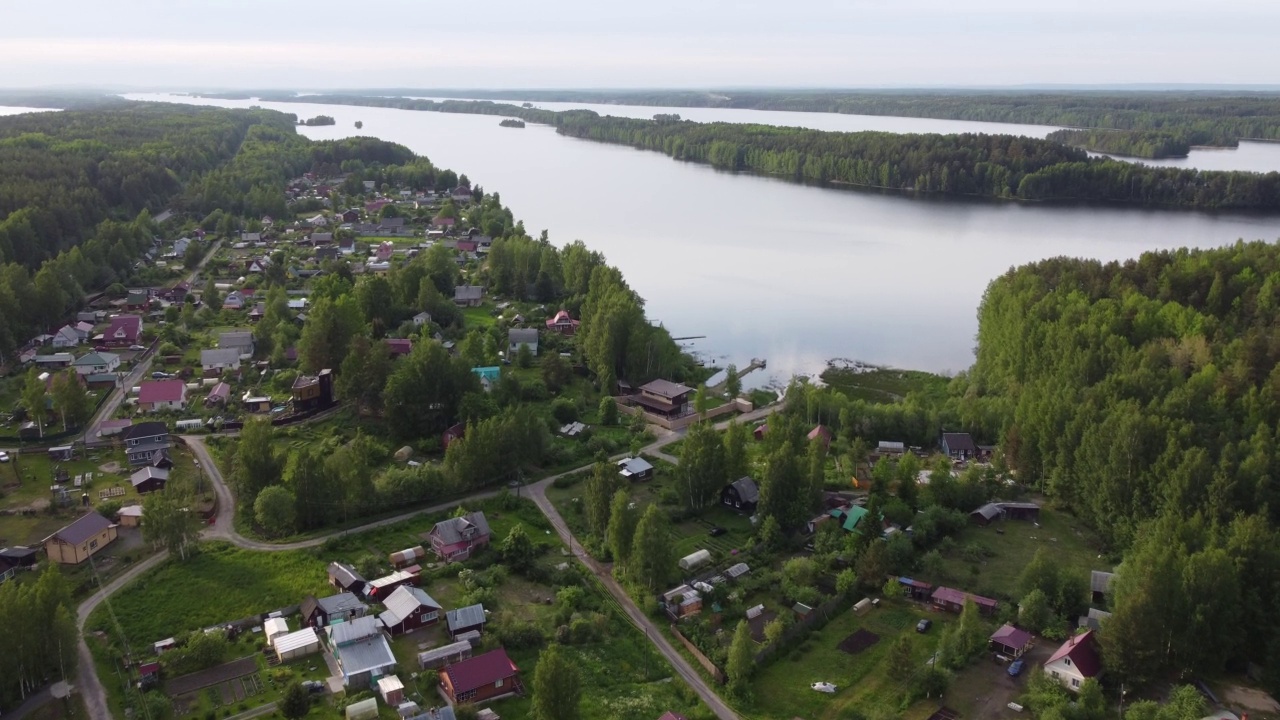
468,295
381,588
453,432
111,428
822,434
351,215
522,337
484,677
138,300
84,330
665,398
421,319
361,652
96,363
460,194
66,337
399,346
156,395
216,360
323,612
149,479
952,600
345,578
455,539
123,330
958,446
635,469
742,494
562,323
144,440
14,559
409,608
218,395
241,340
347,246
180,246
1075,662
56,360
991,512
1100,585
74,543
465,619
233,301
313,392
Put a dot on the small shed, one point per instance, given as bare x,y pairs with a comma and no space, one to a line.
62,452
166,644
1010,641
363,710
297,644
736,571
1100,585
986,514
274,627
130,515
693,560
391,690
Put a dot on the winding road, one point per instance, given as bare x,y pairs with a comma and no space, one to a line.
223,528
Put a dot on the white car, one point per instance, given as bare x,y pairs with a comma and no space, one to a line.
824,687
4,457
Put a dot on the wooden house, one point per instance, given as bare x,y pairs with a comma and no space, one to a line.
408,609
484,677
74,543
742,494
665,398
456,538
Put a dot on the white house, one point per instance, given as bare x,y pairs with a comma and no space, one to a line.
421,319
216,360
96,363
1076,661
66,337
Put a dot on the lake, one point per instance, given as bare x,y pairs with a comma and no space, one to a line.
768,268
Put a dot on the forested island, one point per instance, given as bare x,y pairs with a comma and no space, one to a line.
1205,118
512,123
1139,144
969,165
318,120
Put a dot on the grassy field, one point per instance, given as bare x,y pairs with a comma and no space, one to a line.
478,317
219,584
880,384
1073,547
783,688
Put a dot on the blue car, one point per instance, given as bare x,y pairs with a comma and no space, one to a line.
1015,669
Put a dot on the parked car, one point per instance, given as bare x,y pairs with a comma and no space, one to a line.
1015,669
137,347
313,686
924,625
717,531
159,375
4,457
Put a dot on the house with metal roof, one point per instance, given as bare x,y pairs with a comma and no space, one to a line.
1100,585
74,543
215,360
1010,641
945,598
665,398
340,608
522,337
742,494
456,538
466,619
95,363
409,608
958,445
484,677
635,469
1076,661
143,440
149,479
291,645
344,577
444,655
361,651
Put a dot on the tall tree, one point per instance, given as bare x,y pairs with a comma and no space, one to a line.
597,493
169,522
701,473
314,487
327,334
557,686
70,399
256,462
274,511
622,527
364,372
732,381
517,549
742,661
736,459
425,390
651,553
33,399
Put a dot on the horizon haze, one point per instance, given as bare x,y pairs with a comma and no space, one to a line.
144,44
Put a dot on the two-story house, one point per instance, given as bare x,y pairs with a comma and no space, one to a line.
144,440
456,538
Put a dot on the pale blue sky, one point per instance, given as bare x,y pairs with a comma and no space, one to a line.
657,43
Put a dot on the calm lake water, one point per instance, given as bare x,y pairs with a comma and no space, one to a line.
767,268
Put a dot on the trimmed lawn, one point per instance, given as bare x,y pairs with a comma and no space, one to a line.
481,317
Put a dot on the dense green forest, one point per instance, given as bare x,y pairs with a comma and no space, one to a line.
1204,118
975,165
78,188
1142,143
1145,396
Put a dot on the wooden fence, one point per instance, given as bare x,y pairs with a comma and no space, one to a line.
703,660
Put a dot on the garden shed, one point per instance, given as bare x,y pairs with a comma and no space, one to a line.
693,560
297,644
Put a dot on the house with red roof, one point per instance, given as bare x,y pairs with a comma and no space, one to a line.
1010,641
156,395
952,600
1076,661
563,324
484,677
124,330
399,346
822,434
